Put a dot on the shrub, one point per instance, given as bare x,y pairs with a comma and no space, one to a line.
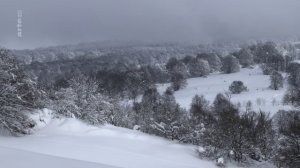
237,87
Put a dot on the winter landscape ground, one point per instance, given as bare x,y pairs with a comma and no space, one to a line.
70,143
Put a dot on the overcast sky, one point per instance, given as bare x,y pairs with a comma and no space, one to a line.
53,22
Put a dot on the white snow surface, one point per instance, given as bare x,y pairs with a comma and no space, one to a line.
69,143
262,97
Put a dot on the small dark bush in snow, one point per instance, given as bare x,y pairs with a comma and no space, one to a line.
237,87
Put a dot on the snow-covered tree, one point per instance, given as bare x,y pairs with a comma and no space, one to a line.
205,68
199,108
18,96
178,82
288,151
120,114
276,80
221,103
230,64
160,115
267,70
200,118
167,119
213,60
293,93
268,54
136,83
198,67
245,57
175,66
237,136
82,100
146,108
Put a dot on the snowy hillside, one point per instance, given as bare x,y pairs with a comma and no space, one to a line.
27,159
262,97
71,143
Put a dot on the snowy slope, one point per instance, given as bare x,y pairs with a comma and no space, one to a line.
69,142
16,158
261,96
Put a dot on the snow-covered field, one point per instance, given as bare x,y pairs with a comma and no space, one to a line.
262,97
69,143
16,158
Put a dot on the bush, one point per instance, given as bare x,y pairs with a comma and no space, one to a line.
237,87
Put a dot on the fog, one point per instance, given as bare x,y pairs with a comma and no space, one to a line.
54,22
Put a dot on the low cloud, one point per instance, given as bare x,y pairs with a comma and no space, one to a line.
52,22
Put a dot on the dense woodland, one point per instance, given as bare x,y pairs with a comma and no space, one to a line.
94,88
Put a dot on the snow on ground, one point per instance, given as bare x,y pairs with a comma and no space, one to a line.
262,97
16,158
69,143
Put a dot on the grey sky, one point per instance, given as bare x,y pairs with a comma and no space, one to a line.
52,22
